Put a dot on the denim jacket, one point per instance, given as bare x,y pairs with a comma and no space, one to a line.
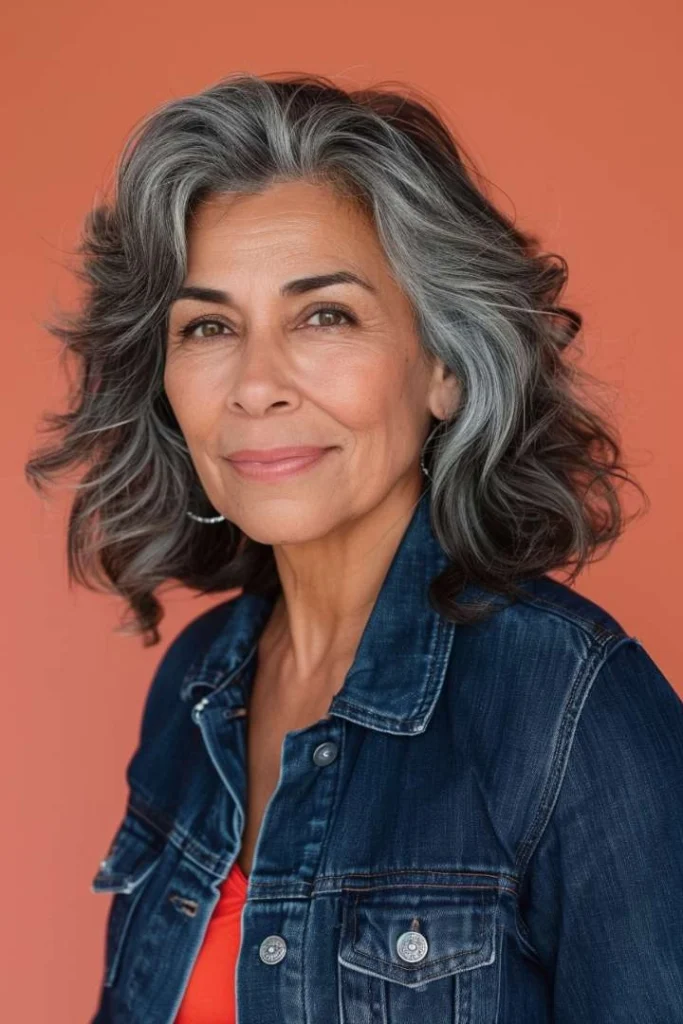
486,828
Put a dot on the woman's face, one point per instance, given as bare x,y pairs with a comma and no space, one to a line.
339,367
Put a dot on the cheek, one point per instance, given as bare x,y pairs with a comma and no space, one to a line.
383,403
195,402
361,395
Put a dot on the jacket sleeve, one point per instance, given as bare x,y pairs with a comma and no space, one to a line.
602,898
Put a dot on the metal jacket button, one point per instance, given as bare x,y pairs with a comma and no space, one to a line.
273,949
412,946
198,708
325,753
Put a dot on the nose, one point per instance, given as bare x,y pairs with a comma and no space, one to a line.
261,375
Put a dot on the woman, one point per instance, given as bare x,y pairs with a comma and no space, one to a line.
405,773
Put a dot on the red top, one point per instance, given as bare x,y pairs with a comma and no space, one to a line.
210,994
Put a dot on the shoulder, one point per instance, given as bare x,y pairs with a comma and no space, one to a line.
624,677
617,769
617,690
549,635
617,764
545,646
546,618
631,716
600,871
569,694
565,608
187,648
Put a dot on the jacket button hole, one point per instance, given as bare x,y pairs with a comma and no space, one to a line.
184,905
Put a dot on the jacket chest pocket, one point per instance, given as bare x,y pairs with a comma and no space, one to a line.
418,955
133,854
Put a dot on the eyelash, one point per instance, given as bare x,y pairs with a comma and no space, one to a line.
186,331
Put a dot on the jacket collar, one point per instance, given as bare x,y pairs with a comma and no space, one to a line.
401,660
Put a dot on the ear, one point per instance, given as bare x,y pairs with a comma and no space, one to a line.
444,391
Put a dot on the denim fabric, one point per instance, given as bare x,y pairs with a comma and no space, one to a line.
498,840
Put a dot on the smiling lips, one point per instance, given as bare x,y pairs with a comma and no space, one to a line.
275,463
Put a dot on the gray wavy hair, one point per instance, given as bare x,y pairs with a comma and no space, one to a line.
525,476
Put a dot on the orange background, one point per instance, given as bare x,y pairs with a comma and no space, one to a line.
572,111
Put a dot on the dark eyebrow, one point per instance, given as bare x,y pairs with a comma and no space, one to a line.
296,287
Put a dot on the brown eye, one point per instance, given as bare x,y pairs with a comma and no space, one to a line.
333,311
209,328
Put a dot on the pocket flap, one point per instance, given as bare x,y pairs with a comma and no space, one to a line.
133,853
456,929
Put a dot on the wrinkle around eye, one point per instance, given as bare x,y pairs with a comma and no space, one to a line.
186,333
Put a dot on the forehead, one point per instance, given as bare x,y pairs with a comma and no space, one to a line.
287,219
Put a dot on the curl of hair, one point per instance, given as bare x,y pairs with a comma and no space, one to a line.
525,475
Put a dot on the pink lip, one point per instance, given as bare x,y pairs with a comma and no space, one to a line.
276,469
274,454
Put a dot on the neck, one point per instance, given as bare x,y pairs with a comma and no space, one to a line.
329,587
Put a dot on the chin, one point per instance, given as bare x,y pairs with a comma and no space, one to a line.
280,520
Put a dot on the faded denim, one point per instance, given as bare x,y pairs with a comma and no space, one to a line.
512,790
